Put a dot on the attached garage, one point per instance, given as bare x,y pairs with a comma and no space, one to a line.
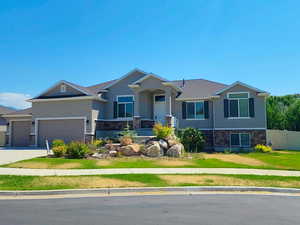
20,133
64,129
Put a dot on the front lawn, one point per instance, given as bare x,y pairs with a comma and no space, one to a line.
142,180
287,160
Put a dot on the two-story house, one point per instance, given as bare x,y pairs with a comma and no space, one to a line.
228,115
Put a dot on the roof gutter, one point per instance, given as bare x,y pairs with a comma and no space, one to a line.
68,99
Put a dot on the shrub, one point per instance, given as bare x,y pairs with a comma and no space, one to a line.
162,132
77,150
192,139
59,151
262,148
98,143
57,142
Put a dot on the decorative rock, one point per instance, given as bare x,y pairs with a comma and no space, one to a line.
163,144
99,155
112,147
175,151
112,153
153,149
172,142
130,150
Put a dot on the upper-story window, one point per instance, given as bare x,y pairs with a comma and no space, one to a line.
238,104
195,110
63,88
125,106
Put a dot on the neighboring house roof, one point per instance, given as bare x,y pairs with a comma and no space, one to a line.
23,112
5,110
197,88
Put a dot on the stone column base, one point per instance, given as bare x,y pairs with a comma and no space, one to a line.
169,121
136,122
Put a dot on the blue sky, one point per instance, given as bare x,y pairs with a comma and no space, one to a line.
87,42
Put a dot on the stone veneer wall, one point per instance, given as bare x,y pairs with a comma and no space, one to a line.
113,125
120,125
147,124
222,137
208,136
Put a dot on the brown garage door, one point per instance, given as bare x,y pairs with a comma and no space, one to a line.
20,133
67,130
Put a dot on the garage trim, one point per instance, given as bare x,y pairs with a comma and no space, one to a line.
58,118
10,128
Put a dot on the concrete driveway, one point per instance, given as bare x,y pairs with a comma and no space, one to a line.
9,155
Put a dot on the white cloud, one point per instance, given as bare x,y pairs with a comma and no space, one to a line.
15,100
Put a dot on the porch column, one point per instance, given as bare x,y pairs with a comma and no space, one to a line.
168,97
136,116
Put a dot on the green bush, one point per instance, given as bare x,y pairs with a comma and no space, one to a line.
57,142
262,148
59,151
77,150
126,132
192,139
162,132
98,143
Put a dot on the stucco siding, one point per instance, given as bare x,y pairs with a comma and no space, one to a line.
146,105
259,121
201,124
56,92
120,88
78,108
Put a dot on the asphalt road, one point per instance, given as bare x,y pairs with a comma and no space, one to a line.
154,210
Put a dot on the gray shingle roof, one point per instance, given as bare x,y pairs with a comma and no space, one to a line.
27,111
5,110
99,87
198,88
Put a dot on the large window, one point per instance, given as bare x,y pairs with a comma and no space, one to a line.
195,110
240,140
238,104
125,106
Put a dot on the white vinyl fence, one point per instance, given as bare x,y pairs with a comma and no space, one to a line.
283,139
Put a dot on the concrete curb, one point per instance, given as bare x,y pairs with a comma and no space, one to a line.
158,190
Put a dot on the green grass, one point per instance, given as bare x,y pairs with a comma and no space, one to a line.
289,160
146,180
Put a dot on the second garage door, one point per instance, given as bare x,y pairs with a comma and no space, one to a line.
66,129
20,133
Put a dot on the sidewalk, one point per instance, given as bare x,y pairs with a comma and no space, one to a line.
78,172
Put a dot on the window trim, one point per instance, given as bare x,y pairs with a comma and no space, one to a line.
186,112
63,88
240,140
229,99
118,103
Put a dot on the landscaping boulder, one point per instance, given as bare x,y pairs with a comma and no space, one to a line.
112,147
100,155
112,153
172,142
153,149
130,150
175,151
163,144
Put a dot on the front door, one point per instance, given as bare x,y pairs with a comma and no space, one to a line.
159,108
